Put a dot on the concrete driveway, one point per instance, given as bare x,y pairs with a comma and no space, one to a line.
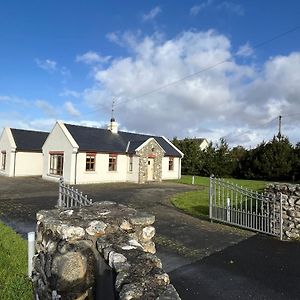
204,260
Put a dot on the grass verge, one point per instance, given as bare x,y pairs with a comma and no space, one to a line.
196,202
14,283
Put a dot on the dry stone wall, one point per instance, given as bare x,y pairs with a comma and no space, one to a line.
290,207
105,251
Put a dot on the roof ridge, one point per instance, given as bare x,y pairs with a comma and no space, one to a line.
30,130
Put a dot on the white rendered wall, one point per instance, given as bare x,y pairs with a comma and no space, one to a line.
133,176
58,141
29,164
101,173
5,145
175,173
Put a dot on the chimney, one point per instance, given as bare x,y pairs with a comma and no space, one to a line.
113,126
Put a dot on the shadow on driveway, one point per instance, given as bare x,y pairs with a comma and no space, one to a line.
259,267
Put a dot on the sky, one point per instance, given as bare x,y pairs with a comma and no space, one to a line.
206,69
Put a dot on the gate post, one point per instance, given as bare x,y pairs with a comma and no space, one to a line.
211,179
59,202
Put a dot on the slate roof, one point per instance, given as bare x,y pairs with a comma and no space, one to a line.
29,140
103,140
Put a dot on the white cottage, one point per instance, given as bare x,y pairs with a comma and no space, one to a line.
82,154
21,152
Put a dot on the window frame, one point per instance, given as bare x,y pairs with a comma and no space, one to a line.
3,160
90,162
56,167
171,163
112,162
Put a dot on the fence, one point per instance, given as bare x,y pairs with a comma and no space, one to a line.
232,204
69,197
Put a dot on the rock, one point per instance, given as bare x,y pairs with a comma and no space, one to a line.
142,219
120,279
69,269
169,294
292,235
149,247
96,228
125,225
116,258
162,278
290,213
69,232
148,233
131,291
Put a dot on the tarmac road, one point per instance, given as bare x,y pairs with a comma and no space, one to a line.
204,260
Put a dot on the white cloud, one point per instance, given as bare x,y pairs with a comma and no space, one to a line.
47,65
71,109
228,96
70,93
46,107
152,14
52,67
4,98
232,8
92,57
245,50
196,9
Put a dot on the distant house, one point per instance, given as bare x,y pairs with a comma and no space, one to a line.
90,155
203,143
21,152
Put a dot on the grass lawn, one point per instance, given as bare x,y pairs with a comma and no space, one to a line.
196,202
14,283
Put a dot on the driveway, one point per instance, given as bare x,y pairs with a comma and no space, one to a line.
204,260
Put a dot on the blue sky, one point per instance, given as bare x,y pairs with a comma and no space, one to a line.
67,60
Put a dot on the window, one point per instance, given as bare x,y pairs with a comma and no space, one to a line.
56,163
90,162
3,160
112,164
130,166
171,163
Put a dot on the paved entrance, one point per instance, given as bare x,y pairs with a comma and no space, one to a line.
205,260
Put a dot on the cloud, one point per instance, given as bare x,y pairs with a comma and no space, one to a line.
46,107
71,109
152,14
232,8
224,98
92,57
47,65
4,98
70,93
245,50
196,9
52,67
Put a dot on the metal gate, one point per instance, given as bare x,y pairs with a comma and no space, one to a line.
232,204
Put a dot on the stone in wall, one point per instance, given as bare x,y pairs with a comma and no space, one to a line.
104,251
290,207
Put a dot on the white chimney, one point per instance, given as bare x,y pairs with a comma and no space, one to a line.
113,126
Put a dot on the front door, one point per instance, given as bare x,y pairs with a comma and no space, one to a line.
150,168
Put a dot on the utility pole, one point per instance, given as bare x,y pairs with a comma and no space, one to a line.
279,128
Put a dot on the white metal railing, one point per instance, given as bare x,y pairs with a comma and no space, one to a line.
233,204
69,197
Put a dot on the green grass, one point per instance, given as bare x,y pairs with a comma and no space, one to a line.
14,283
196,202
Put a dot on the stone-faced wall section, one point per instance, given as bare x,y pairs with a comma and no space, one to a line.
290,207
80,250
151,150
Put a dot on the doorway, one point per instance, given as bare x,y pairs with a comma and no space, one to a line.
150,169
